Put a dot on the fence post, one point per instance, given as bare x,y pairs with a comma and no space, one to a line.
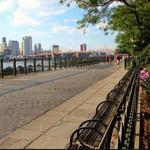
42,61
2,71
55,63
75,61
82,63
78,62
14,67
65,62
34,61
69,62
88,63
25,65
72,61
49,63
60,62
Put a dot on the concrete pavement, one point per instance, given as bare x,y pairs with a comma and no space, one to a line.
53,128
25,98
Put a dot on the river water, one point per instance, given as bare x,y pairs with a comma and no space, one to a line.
21,63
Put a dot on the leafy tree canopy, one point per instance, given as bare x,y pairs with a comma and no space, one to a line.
130,18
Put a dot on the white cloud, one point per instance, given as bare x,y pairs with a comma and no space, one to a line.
52,12
30,4
68,29
70,20
37,33
26,13
6,5
20,18
35,12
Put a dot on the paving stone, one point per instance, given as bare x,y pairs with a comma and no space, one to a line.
23,134
49,142
41,124
12,143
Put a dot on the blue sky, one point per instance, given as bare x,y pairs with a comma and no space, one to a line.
50,23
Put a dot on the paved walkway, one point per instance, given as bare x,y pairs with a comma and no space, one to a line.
25,98
53,128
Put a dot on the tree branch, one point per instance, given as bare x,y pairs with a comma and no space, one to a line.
133,7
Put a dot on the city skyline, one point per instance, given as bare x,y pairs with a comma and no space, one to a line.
52,24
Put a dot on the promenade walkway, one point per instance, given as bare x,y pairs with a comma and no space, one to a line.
53,128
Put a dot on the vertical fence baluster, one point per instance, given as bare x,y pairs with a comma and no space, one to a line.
14,67
34,61
60,62
65,62
49,63
2,71
42,61
69,62
25,65
55,63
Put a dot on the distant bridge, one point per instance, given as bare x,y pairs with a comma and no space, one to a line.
70,53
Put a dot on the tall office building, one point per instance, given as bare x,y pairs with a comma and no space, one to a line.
14,47
55,49
4,41
2,47
83,47
37,47
27,45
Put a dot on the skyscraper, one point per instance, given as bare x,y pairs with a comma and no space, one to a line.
37,47
83,47
27,45
55,48
4,41
14,46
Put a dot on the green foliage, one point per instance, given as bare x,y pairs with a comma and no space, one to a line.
130,18
148,67
146,85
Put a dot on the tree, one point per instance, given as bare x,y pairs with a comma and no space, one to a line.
130,18
133,33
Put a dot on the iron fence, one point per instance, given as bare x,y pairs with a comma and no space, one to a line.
114,120
25,66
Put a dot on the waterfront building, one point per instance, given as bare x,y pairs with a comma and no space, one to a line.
55,49
37,47
83,47
27,45
7,52
14,46
4,41
2,48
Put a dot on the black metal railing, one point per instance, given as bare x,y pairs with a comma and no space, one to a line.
114,116
25,66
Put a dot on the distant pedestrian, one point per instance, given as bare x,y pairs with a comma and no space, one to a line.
107,59
117,61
